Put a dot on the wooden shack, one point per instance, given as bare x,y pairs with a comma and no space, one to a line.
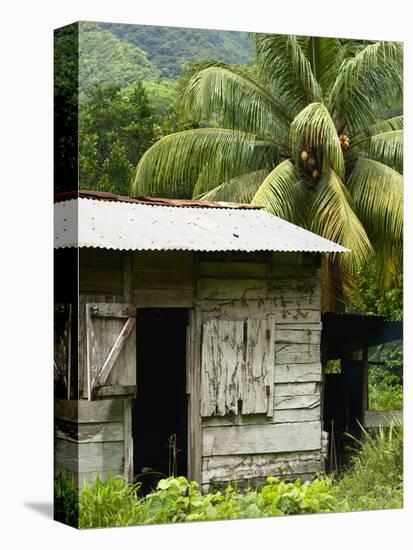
187,340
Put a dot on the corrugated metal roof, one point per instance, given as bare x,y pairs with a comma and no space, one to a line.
131,226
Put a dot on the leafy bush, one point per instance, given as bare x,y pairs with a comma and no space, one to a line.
177,500
374,479
385,394
114,503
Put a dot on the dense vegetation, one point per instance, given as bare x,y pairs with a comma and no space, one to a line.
168,48
104,59
373,481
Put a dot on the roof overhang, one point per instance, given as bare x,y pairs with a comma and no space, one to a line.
147,224
347,333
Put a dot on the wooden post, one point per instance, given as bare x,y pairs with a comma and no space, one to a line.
194,395
127,292
128,440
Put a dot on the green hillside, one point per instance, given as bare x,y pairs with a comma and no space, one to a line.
169,47
105,59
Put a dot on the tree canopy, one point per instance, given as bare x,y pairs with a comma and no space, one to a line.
315,136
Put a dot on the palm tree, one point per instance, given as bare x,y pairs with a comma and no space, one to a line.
315,136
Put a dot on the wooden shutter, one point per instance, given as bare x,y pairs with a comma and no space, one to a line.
62,349
259,367
110,350
221,367
237,366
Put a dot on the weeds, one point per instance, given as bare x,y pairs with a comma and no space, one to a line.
374,479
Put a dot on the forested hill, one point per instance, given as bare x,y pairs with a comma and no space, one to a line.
169,47
105,59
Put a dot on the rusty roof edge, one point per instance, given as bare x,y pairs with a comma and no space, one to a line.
156,201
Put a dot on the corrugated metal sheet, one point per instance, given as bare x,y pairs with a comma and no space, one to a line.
131,226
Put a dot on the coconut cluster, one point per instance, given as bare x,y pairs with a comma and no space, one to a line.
311,162
344,141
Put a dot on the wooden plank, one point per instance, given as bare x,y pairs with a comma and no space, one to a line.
296,402
167,297
101,258
99,279
228,468
116,390
163,279
297,353
239,270
293,373
180,260
301,326
297,284
284,270
299,336
111,310
127,287
375,419
297,415
298,315
88,433
215,289
91,457
237,420
234,256
259,309
300,388
286,258
109,410
128,440
267,438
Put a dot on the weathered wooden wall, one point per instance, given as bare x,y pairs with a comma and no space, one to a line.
89,438
282,291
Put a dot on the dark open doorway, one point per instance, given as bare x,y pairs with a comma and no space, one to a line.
160,425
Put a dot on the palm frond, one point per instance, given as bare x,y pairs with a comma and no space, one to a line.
314,128
389,263
367,83
377,193
386,147
385,125
240,189
325,56
283,63
172,165
334,218
276,191
240,102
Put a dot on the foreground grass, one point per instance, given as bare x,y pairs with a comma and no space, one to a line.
373,481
